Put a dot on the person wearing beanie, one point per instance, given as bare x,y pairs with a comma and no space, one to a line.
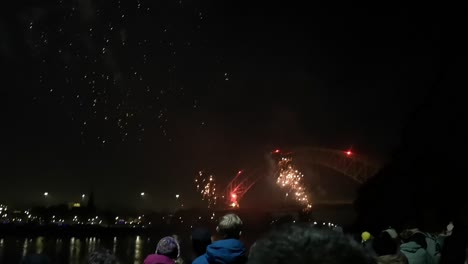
167,251
392,232
365,236
228,250
179,259
367,242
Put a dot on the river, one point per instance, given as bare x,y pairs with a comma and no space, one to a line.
75,250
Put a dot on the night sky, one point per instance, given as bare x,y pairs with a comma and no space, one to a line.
121,97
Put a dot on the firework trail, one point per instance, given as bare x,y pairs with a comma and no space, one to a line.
291,179
206,186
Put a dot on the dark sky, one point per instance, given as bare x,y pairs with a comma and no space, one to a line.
121,97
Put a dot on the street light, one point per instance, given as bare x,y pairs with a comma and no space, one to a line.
46,200
177,196
142,194
83,196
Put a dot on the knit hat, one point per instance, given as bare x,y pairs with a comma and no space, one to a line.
169,247
392,232
365,236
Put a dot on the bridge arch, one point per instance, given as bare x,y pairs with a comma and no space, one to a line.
346,162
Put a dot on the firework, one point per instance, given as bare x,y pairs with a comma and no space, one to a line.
290,179
206,186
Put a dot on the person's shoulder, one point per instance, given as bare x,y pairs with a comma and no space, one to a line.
200,260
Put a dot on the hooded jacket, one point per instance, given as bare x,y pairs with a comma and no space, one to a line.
158,259
415,253
227,251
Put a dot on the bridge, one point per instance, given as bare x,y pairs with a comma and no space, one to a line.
345,162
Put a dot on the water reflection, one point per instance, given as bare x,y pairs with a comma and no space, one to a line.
58,246
25,247
89,244
1,249
75,247
138,247
114,247
75,250
40,244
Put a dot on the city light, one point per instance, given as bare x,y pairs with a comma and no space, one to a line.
83,196
177,196
46,194
142,194
349,153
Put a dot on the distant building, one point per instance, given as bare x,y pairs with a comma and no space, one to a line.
74,205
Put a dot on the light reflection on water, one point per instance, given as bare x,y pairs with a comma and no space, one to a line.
1,248
91,242
74,250
40,244
138,248
114,246
25,247
59,246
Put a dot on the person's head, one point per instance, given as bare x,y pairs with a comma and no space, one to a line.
419,238
201,238
102,256
230,226
301,244
365,236
392,233
411,223
384,244
449,228
169,247
405,235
